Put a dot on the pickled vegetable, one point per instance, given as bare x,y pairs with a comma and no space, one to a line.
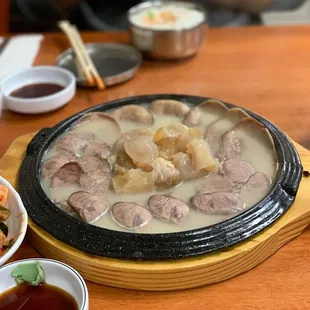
4,194
4,214
4,228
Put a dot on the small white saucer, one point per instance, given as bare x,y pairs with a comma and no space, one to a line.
37,75
56,273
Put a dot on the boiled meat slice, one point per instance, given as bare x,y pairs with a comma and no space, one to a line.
93,116
258,180
134,113
257,186
69,173
230,146
205,114
74,142
97,182
92,163
238,171
215,130
53,164
169,107
220,202
89,206
215,183
99,149
130,215
251,141
168,208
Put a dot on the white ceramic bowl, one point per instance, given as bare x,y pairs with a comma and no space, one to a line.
17,221
35,75
56,273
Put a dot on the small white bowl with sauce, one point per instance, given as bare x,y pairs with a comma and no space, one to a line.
38,90
57,274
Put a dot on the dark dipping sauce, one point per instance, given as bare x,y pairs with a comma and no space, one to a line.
45,296
36,90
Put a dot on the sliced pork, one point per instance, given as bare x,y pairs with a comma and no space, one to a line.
134,113
169,107
168,208
88,206
99,149
220,202
53,164
130,215
238,171
74,142
68,174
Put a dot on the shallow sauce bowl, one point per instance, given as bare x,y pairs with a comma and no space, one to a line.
17,221
38,75
166,44
57,274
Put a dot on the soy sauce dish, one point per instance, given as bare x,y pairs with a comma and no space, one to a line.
41,284
38,89
159,177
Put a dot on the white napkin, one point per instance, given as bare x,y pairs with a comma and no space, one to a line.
19,53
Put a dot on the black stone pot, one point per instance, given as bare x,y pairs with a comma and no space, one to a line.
109,243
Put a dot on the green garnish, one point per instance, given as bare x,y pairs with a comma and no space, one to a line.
151,14
29,273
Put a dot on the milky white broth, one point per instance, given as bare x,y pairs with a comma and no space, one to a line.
195,219
167,17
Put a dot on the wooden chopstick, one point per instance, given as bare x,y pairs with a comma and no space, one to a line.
79,71
87,66
89,61
64,26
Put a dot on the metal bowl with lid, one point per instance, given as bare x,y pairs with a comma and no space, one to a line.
167,44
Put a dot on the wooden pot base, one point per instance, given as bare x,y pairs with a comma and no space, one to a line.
168,275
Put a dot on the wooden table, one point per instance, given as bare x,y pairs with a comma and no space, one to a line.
264,69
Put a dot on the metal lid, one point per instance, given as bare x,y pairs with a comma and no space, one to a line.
116,63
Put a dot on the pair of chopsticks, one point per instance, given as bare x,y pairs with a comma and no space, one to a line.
84,62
